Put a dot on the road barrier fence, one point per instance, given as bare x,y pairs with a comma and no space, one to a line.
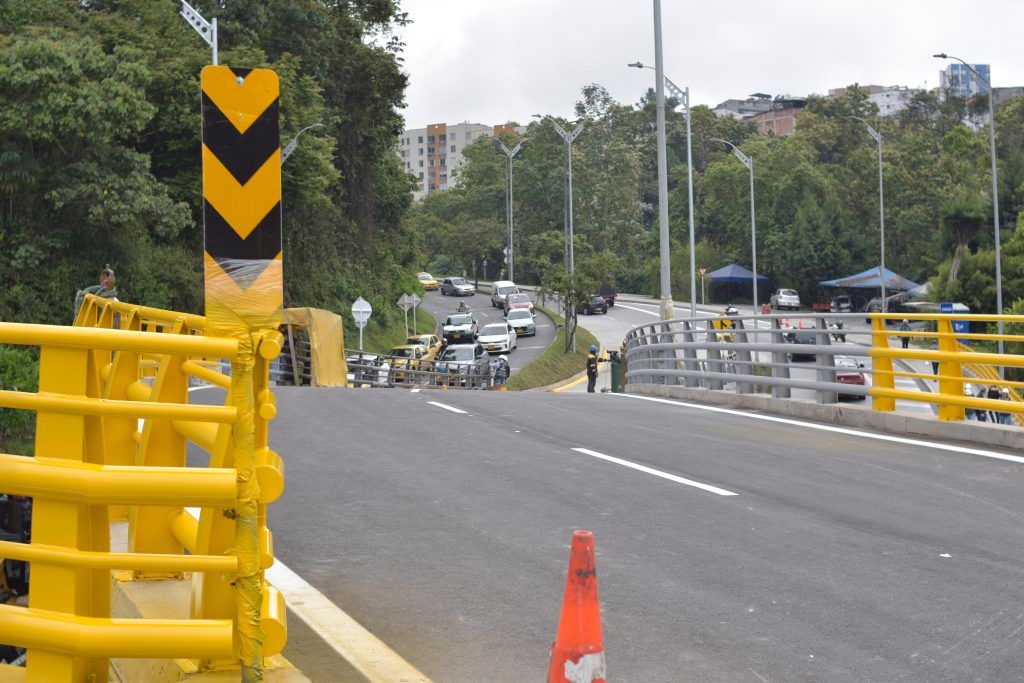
114,421
760,353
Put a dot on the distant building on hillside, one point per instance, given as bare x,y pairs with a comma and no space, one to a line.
433,153
957,80
890,99
781,118
741,109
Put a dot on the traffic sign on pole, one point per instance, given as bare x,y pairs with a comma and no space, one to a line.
361,312
405,303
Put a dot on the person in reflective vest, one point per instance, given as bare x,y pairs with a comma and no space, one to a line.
592,361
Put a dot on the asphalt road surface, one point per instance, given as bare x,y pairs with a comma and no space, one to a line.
529,347
838,558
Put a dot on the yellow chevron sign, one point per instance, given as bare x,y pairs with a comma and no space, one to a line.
241,198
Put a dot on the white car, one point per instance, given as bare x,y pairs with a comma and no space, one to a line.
497,337
522,321
499,290
785,298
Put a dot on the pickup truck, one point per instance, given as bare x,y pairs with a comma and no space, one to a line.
608,292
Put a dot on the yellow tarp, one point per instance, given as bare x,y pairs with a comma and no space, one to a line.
326,342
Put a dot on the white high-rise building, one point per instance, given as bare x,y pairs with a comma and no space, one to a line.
433,153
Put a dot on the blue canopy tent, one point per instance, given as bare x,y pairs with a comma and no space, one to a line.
872,279
735,273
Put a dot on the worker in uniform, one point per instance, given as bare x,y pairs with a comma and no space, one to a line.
592,361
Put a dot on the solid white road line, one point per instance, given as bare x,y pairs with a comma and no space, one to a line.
638,310
657,473
451,408
837,430
360,648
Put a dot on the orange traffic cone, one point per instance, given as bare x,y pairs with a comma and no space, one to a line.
577,655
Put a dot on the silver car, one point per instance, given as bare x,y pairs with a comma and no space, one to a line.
786,298
457,286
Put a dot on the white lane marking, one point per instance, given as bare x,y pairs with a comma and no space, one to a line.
838,430
657,473
451,408
638,310
414,391
360,648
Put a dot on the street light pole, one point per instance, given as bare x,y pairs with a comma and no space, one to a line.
995,189
568,137
207,30
749,163
683,95
294,142
881,207
510,153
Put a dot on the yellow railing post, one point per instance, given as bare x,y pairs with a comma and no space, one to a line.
948,371
882,377
77,526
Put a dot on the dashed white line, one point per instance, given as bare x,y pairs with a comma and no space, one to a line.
837,430
446,407
657,473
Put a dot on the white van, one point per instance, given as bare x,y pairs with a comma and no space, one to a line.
501,289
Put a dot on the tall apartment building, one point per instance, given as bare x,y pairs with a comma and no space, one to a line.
433,153
959,81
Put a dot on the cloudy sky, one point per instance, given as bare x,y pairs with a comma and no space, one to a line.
489,62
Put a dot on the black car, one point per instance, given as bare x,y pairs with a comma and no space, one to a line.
595,303
798,337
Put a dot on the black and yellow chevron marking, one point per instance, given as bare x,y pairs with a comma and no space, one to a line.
242,193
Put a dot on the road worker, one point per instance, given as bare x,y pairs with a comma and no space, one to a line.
592,361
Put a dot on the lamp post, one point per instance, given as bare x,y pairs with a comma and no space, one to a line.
207,30
510,153
294,142
682,94
749,163
567,137
881,208
995,189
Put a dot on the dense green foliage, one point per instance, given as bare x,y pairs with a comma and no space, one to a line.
19,371
100,150
817,197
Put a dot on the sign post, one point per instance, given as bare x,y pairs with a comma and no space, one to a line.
405,303
703,272
415,303
361,312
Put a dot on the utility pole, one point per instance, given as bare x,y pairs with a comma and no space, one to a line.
749,163
877,137
510,153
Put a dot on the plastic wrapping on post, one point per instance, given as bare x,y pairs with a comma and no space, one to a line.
243,295
327,344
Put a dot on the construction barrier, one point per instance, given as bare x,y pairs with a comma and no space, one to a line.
113,423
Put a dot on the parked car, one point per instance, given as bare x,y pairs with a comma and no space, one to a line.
459,328
428,282
497,337
844,303
608,292
785,298
457,286
518,301
848,372
466,364
801,336
499,290
430,341
594,303
522,321
406,357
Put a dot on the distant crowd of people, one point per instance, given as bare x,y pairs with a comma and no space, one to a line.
994,393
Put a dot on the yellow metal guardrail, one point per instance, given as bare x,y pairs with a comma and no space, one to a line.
113,423
952,357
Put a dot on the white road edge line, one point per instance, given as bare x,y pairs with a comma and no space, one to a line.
638,310
657,473
838,430
451,408
364,651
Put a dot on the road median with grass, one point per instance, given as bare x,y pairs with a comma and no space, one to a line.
554,365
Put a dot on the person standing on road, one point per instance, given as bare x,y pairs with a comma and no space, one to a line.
1005,418
980,414
502,370
905,327
592,361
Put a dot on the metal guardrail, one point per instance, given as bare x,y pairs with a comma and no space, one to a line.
376,370
113,424
751,353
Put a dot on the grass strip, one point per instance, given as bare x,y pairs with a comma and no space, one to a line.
554,365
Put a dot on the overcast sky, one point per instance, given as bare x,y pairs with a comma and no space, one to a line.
489,62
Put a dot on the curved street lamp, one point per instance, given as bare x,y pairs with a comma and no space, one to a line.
510,153
749,163
294,142
881,207
995,187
